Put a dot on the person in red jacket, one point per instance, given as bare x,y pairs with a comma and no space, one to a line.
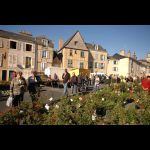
146,84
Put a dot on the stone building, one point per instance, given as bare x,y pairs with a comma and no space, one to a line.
17,52
44,53
124,65
74,52
21,51
97,58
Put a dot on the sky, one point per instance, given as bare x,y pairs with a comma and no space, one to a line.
113,38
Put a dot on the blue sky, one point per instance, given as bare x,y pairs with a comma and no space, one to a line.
111,37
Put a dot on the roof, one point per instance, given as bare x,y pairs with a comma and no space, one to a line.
92,47
16,36
118,56
67,42
22,37
39,41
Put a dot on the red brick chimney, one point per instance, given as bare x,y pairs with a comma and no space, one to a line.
60,43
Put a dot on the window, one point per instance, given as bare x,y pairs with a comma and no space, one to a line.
71,52
28,62
96,56
75,42
101,65
115,68
28,47
75,52
102,57
115,62
13,45
44,54
96,64
81,65
45,42
70,63
82,53
43,66
91,65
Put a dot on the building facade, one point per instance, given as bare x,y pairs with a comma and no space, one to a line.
44,53
124,65
21,51
74,53
17,53
97,58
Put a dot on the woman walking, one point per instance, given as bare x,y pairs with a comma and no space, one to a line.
17,89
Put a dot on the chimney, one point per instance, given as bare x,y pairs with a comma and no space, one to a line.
134,56
122,52
60,43
129,54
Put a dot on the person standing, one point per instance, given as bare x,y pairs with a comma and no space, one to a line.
66,79
55,80
80,81
23,85
97,82
93,79
74,82
34,86
17,88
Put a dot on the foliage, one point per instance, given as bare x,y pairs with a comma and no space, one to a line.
105,106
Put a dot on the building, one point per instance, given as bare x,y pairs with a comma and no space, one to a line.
74,52
124,65
21,51
97,58
17,52
44,53
148,57
146,63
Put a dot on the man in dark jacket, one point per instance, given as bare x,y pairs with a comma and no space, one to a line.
66,79
34,86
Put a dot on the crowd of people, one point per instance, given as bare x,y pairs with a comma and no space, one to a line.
78,83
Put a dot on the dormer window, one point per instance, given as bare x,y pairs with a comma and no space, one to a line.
45,42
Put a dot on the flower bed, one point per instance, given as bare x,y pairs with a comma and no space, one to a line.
113,105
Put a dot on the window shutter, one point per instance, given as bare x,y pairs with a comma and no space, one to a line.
14,60
1,59
1,43
6,43
19,45
32,63
33,48
46,54
9,60
24,46
40,54
24,61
